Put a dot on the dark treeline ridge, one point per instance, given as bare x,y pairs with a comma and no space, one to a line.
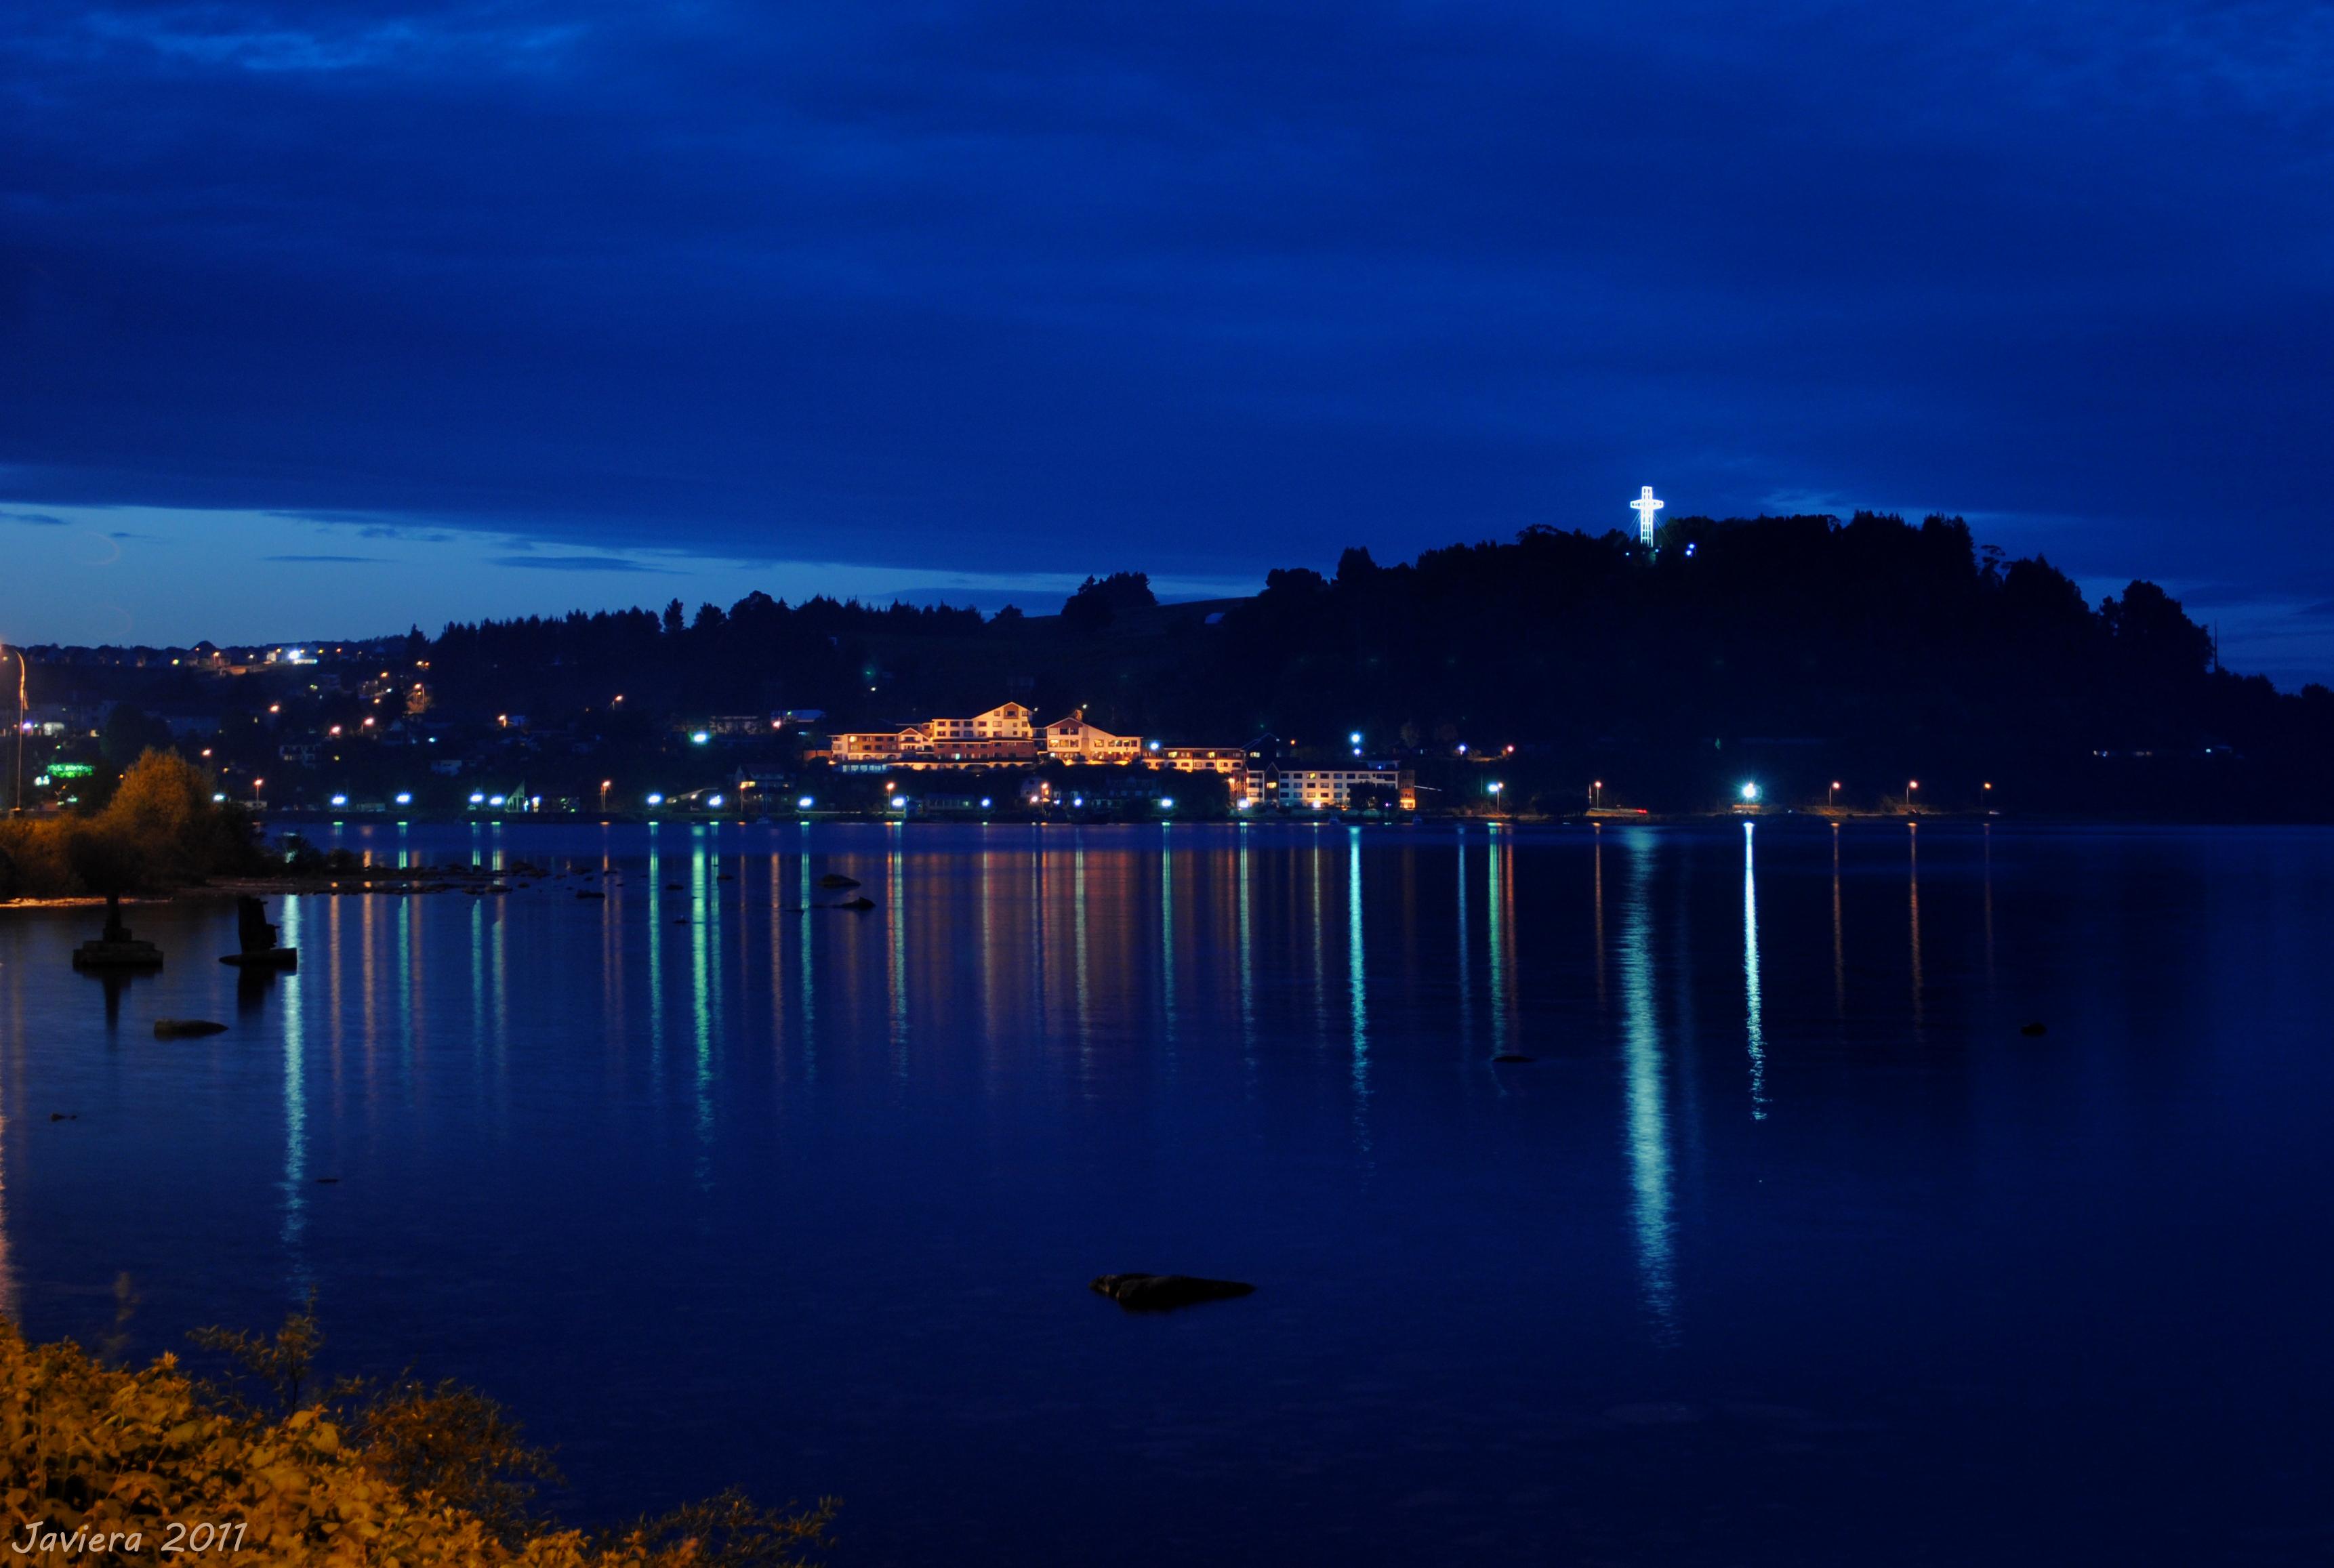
1800,648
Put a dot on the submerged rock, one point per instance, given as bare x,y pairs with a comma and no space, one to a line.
178,1028
1152,1293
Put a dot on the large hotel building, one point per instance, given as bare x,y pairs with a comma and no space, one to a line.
1007,736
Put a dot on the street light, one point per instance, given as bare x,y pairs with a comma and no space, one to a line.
1596,795
605,785
16,805
803,803
1910,785
1751,795
1832,799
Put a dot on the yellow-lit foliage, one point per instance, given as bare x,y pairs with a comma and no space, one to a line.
100,1451
161,830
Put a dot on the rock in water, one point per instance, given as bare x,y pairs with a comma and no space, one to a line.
2033,1030
180,1028
1155,1293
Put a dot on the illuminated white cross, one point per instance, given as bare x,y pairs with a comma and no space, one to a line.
1644,506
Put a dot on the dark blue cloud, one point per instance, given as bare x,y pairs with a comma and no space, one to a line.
574,563
1213,288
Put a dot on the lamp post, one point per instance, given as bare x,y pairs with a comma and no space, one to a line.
605,784
1910,785
1831,801
254,792
16,802
1596,795
1496,788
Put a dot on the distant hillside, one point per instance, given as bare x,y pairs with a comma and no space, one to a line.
1794,651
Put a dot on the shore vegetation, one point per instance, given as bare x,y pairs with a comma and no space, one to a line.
158,830
109,1464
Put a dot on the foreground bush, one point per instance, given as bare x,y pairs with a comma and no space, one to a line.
161,830
96,1453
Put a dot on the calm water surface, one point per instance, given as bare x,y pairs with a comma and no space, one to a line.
1785,1248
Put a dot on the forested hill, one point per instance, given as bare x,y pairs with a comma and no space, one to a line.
1803,644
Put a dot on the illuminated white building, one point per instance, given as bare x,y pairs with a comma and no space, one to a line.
1332,788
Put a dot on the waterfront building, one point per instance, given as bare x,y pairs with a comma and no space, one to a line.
1332,788
1073,740
1006,721
1231,761
1002,736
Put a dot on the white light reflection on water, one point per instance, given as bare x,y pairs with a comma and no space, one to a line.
1167,944
295,1114
1754,1030
1646,1114
1356,971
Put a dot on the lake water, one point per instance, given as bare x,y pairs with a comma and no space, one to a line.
1786,1247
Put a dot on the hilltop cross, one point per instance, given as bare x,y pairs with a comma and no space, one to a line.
1644,506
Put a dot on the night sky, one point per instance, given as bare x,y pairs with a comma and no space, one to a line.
327,318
